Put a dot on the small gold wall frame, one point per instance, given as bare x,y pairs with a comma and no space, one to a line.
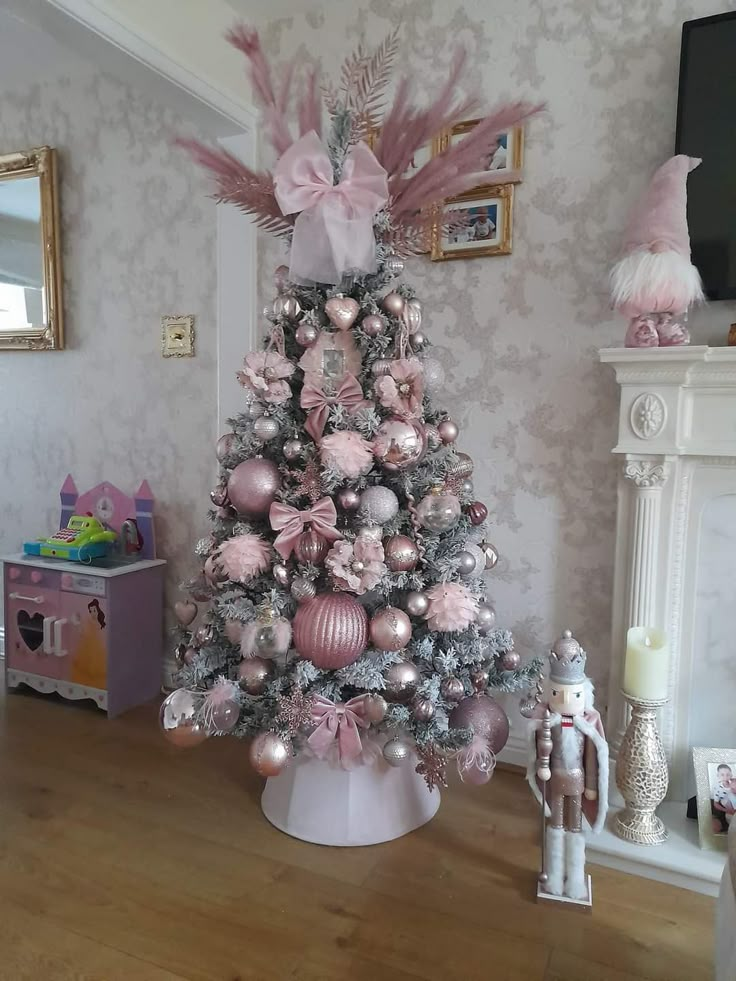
479,223
48,333
177,336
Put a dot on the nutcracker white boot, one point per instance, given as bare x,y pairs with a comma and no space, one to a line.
555,861
576,883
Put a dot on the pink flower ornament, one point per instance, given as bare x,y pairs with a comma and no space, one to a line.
346,452
263,373
244,557
356,567
402,389
452,607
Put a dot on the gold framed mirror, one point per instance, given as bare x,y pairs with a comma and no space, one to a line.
30,256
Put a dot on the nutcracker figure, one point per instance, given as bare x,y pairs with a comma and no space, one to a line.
568,771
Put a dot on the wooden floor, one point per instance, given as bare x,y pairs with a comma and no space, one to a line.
123,858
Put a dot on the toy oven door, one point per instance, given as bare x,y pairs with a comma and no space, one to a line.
31,615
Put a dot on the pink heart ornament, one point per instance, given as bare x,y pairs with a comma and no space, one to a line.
185,612
342,311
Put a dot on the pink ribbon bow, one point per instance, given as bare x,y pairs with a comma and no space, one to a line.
338,721
290,522
349,394
333,232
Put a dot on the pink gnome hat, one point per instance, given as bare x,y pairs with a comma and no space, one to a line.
655,273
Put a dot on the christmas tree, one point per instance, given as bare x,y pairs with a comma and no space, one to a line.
347,611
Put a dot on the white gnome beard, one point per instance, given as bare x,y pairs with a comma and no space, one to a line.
571,750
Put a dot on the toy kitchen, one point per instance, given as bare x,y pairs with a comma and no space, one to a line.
84,606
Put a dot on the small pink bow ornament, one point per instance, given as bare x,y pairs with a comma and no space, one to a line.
341,722
290,522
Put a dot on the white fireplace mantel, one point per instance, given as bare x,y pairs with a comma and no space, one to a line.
677,490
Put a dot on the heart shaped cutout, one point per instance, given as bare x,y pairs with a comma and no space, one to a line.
30,629
342,311
185,612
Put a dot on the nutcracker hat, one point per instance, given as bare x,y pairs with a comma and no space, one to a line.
567,661
655,274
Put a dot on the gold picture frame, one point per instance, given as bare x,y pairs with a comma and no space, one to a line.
711,764
513,140
48,334
488,226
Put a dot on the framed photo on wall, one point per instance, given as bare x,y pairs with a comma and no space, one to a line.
508,157
476,224
715,778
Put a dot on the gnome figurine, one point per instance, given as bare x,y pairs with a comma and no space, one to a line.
654,283
568,771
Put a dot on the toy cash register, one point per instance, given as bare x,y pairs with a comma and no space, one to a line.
84,538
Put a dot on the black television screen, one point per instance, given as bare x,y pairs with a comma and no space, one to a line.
706,127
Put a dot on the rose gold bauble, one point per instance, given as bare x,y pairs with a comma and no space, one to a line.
399,444
423,709
477,512
390,629
253,485
491,554
233,631
373,325
303,589
413,315
402,553
448,431
375,708
401,681
341,311
225,445
381,367
177,718
331,630
218,496
462,468
452,689
281,574
254,674
486,717
432,436
393,303
348,499
511,661
268,754
306,335
281,277
186,612
213,571
311,548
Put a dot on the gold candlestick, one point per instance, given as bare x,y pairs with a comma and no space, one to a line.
641,775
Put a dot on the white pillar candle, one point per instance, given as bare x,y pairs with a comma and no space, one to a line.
646,668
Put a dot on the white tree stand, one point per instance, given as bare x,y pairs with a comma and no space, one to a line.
326,805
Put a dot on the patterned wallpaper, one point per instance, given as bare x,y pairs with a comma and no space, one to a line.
518,335
138,235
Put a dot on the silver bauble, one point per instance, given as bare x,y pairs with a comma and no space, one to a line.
303,589
439,511
287,306
423,709
485,618
529,707
511,661
433,374
381,367
293,449
281,574
399,444
433,437
376,707
178,718
373,325
393,265
491,554
396,752
378,504
393,303
266,428
225,446
452,689
306,335
401,680
373,532
448,430
254,410
348,499
479,559
466,563
417,340
272,639
416,603
479,679
413,315
466,487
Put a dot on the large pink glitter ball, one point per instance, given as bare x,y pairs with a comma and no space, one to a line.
331,630
252,487
486,717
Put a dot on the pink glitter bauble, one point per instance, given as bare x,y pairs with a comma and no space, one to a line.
390,629
268,754
252,487
485,716
331,630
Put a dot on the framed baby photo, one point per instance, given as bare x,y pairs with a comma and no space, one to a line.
476,224
505,160
715,779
